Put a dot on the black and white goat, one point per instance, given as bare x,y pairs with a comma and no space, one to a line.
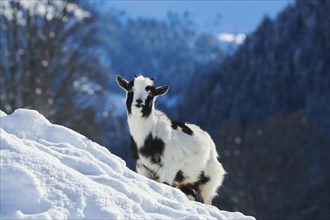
175,153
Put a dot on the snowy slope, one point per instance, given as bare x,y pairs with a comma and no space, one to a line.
51,172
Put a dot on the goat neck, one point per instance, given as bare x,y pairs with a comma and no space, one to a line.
141,127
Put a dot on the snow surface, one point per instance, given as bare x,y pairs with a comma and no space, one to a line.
51,172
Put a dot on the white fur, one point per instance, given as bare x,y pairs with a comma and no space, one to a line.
189,153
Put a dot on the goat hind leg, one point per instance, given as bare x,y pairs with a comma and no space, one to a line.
215,174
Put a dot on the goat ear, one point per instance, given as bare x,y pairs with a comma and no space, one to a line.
161,90
123,83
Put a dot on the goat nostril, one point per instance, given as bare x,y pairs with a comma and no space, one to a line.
139,101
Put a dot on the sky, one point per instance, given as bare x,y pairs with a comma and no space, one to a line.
223,16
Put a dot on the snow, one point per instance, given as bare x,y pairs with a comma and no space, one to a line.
51,172
233,38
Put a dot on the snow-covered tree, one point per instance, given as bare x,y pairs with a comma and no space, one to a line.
44,47
47,49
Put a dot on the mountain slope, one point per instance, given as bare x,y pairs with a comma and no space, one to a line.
51,172
281,68
268,108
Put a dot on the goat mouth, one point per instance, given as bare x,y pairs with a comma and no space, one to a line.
138,105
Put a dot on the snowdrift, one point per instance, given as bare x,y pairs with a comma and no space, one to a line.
51,172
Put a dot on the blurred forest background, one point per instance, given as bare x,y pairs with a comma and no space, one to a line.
266,104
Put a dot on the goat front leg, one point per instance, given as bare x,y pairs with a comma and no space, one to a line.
143,170
167,174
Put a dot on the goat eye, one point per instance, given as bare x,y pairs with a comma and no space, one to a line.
150,89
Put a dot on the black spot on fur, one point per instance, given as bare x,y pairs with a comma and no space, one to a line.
193,189
130,85
134,150
202,179
179,177
146,109
129,99
183,126
189,189
152,89
153,148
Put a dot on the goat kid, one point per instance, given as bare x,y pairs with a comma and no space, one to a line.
178,154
